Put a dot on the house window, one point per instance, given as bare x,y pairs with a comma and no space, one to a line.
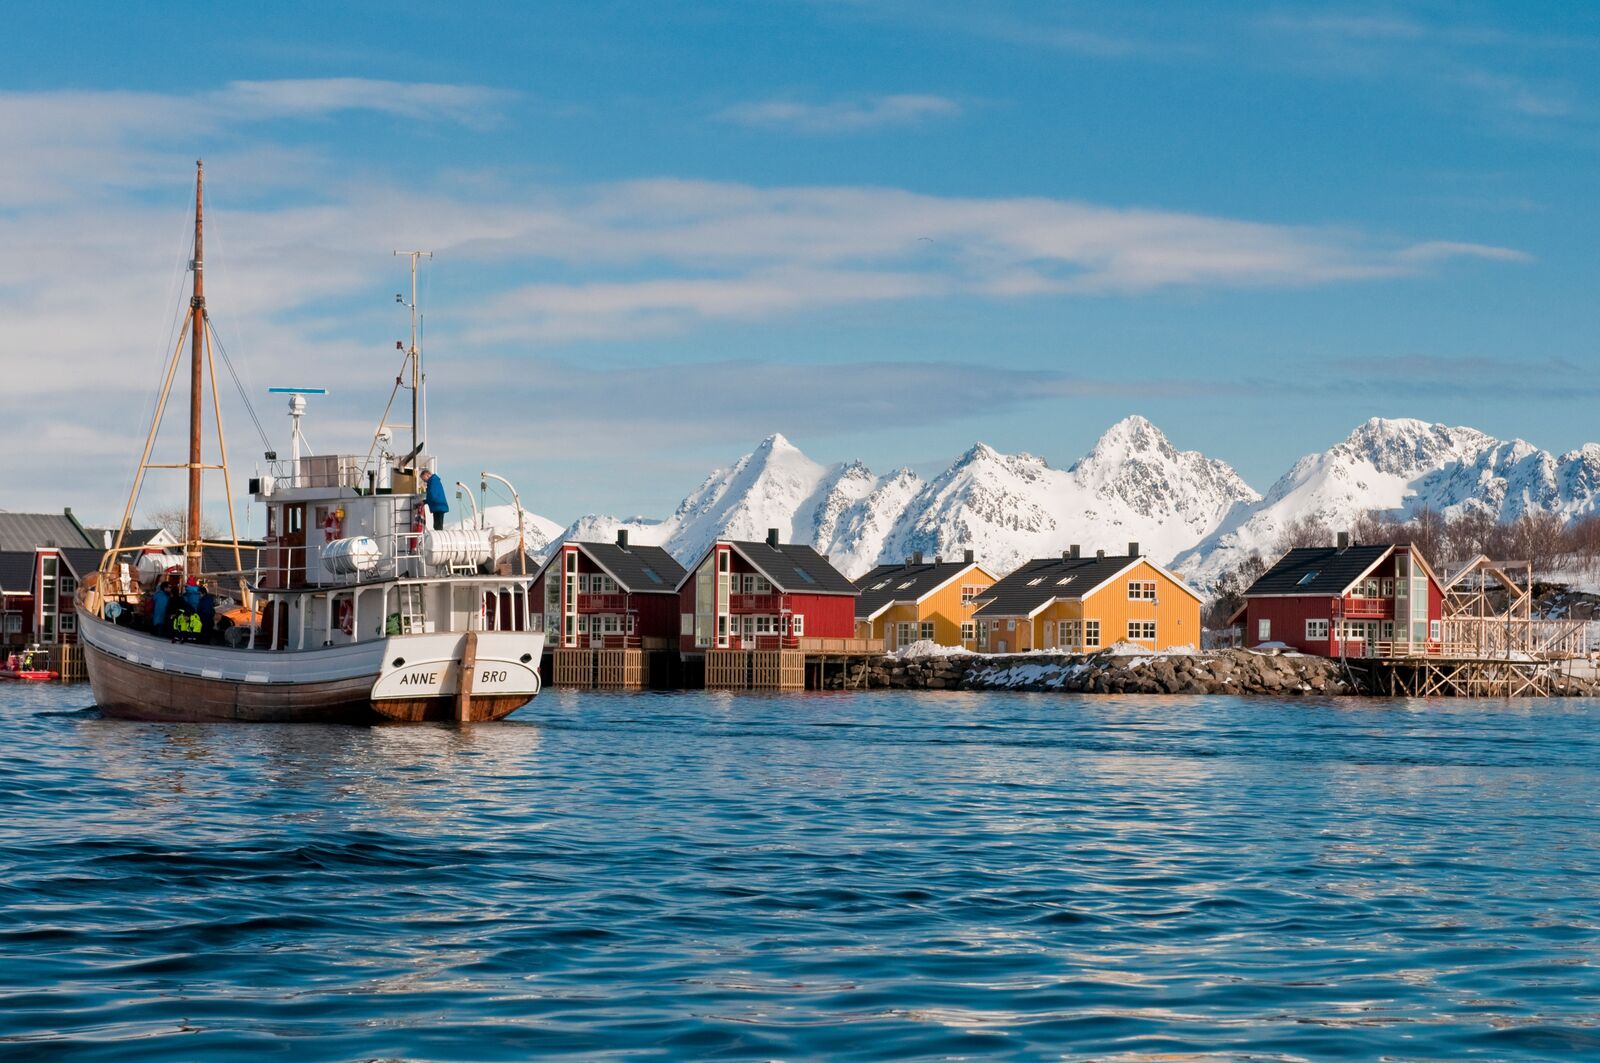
1316,630
1142,590
1263,630
1063,581
1388,629
583,625
68,586
1068,635
1141,630
969,631
1306,579
799,624
1386,588
69,624
881,584
1011,625
969,594
1035,581
906,584
1091,632
927,630
13,623
1433,628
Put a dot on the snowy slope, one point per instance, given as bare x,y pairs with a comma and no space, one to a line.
1399,466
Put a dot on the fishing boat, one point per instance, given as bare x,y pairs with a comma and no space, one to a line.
355,610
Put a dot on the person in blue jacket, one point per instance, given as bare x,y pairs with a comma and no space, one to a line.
433,494
163,603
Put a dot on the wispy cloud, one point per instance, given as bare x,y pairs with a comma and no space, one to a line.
842,116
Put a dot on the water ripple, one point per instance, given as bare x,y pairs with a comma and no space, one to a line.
857,877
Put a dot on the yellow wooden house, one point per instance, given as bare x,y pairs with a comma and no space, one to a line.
920,601
1077,604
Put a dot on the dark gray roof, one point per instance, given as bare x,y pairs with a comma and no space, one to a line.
1323,571
1018,595
903,583
639,569
27,531
220,558
16,571
133,537
796,569
83,560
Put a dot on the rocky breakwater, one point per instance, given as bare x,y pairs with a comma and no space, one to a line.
1222,672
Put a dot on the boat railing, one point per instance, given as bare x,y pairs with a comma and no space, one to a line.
318,470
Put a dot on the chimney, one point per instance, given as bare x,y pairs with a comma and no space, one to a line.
772,537
1072,551
622,538
916,557
1344,540
1100,554
1133,549
966,556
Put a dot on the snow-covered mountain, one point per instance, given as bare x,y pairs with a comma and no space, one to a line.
1132,486
1400,466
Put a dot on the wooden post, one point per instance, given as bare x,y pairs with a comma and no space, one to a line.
469,666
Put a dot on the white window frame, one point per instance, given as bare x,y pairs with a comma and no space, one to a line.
1316,630
969,631
1091,633
1435,631
1264,629
925,631
1141,631
797,624
1141,590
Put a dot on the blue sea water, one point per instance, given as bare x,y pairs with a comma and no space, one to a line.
853,876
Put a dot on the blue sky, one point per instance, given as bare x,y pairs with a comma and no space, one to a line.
885,229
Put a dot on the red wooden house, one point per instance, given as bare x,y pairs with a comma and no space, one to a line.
763,596
1348,601
609,596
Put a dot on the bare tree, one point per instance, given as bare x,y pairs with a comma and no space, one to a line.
1537,537
1310,530
1230,590
176,522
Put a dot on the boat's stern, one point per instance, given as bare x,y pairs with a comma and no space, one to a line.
471,676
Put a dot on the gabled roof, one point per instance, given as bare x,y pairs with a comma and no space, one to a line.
792,568
16,571
133,537
83,560
887,585
1321,571
28,531
637,569
1038,583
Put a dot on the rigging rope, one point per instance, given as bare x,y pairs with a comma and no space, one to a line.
266,443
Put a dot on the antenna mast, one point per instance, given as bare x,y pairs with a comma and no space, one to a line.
193,544
415,353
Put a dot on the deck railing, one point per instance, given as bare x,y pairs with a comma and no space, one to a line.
1369,608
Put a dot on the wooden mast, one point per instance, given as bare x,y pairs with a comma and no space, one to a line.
193,540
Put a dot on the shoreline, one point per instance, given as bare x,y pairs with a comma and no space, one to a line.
1234,671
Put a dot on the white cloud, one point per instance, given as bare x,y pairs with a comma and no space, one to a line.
843,116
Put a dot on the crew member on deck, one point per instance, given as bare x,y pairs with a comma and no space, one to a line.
433,494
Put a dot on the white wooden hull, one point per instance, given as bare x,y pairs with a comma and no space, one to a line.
402,677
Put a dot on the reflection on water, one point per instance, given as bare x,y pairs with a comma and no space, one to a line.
857,875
